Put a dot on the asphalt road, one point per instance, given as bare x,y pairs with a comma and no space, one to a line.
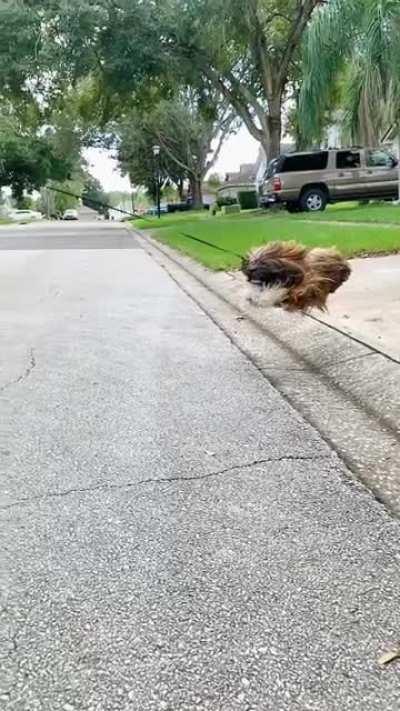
173,535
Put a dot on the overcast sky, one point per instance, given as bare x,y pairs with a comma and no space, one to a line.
238,149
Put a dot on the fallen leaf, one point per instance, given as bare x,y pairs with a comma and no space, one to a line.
389,657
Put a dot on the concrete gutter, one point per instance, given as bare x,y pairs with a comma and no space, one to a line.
357,337
348,389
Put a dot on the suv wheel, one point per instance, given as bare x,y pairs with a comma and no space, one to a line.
313,200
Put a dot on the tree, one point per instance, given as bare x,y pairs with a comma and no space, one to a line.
93,195
355,45
214,180
130,51
20,42
134,142
247,51
60,196
27,163
190,130
111,46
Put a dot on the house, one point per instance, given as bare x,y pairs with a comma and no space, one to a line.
115,215
249,176
334,136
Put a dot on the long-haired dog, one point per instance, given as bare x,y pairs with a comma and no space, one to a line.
289,275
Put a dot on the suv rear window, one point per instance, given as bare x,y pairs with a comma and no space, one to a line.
304,161
348,159
271,168
380,159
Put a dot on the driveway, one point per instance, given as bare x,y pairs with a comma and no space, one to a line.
174,535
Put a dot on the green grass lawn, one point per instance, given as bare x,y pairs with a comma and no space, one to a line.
242,232
353,212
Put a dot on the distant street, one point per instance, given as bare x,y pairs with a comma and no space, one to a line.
173,535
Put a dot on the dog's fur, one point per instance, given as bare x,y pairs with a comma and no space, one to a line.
288,274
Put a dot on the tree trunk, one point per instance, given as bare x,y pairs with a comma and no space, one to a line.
272,145
180,189
17,192
196,192
398,162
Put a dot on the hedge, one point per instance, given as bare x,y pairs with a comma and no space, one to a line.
248,199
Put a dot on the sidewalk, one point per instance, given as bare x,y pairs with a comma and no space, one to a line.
368,305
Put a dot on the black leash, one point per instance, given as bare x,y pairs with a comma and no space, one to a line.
90,201
210,244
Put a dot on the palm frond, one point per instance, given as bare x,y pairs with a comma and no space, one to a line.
327,46
361,40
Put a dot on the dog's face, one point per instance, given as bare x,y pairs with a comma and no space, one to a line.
264,295
268,285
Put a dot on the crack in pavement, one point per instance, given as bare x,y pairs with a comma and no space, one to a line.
168,480
28,370
199,477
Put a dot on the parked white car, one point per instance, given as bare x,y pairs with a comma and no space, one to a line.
24,216
70,214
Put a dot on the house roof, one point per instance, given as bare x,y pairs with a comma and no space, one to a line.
248,171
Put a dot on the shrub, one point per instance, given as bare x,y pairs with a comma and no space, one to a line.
226,200
248,199
178,206
230,209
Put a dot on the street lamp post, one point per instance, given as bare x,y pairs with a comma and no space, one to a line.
133,193
156,154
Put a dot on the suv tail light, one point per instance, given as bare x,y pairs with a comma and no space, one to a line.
277,185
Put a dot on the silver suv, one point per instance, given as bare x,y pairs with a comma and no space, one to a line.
308,181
